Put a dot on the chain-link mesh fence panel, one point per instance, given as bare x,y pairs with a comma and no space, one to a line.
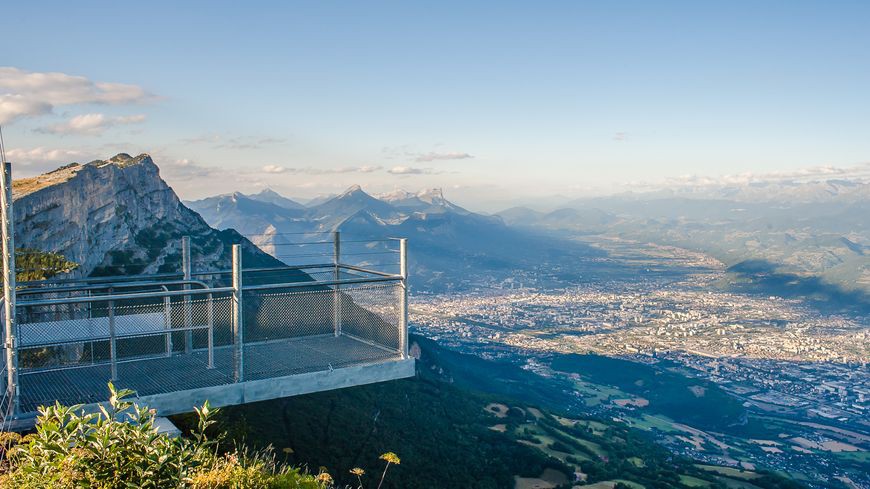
82,334
373,313
159,345
68,352
273,315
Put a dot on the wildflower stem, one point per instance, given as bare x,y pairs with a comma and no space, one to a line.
384,475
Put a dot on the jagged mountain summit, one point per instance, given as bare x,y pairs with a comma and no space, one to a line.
271,197
448,243
335,211
429,200
254,215
116,216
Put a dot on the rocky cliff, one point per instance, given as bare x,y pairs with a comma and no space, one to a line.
117,216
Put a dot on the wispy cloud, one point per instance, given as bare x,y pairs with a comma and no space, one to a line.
274,169
14,106
816,173
33,161
620,136
249,143
408,153
185,170
452,155
219,141
91,124
277,169
409,170
30,94
43,155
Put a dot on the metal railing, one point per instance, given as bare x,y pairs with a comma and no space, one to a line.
164,333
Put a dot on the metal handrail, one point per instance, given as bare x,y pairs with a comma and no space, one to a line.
131,285
86,339
133,278
265,269
106,279
115,297
289,285
364,270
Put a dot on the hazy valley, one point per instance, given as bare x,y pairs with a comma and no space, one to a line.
717,371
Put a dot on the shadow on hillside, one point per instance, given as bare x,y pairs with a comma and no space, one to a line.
764,277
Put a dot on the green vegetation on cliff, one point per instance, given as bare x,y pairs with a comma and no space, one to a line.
120,447
34,264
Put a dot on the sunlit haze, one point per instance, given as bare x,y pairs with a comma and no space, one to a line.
496,102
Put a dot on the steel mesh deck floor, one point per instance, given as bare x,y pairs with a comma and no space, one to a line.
163,375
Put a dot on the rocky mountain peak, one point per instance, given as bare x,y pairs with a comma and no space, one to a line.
395,195
113,216
432,196
120,157
122,160
269,192
272,197
352,190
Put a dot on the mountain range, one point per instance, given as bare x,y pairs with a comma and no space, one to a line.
449,246
813,231
117,216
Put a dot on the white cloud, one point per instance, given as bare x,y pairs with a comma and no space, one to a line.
274,169
13,106
277,169
29,94
860,172
185,170
407,152
218,141
408,170
42,155
91,124
433,156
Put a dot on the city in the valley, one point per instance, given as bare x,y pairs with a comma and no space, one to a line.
784,359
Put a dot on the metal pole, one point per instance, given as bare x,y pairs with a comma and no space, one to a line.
336,292
238,317
8,236
188,316
403,271
167,324
113,348
210,318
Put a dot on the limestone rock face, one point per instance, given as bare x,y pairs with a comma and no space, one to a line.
114,216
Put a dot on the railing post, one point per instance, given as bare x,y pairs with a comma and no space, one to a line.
336,290
210,319
188,316
113,347
403,313
11,327
167,324
238,317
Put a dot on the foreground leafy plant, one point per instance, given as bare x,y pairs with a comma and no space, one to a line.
119,447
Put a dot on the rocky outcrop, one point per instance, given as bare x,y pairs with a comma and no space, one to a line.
115,216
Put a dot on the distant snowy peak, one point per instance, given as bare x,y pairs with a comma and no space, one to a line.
426,195
432,196
351,191
395,195
424,200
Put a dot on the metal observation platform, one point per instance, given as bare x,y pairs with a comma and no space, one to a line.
226,336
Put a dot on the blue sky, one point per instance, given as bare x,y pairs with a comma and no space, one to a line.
485,99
